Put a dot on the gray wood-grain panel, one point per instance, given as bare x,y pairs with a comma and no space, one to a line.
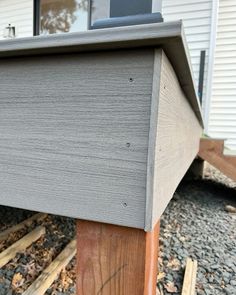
168,35
173,140
153,138
100,125
74,134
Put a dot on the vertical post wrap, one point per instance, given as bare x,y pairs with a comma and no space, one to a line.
116,260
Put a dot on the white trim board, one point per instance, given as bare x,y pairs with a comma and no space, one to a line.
211,58
156,5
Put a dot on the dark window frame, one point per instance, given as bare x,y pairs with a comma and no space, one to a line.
36,16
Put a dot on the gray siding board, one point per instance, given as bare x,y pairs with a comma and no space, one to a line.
173,139
152,139
168,35
177,139
93,130
74,134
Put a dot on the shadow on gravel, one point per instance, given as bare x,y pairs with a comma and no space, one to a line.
212,188
11,216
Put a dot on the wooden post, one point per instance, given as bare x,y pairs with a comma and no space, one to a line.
196,170
116,260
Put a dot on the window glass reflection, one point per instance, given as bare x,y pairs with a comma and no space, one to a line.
62,16
100,9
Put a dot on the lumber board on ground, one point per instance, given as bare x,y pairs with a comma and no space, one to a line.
23,224
194,278
21,245
190,277
48,276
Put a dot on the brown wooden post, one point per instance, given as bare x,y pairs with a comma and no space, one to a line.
115,260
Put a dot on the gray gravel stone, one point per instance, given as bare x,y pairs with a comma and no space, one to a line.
233,282
230,290
196,225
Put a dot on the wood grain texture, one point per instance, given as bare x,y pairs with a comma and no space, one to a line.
212,151
74,134
151,260
51,273
168,35
21,245
190,276
152,138
177,140
116,260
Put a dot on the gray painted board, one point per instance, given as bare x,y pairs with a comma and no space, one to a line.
74,134
173,139
168,35
99,125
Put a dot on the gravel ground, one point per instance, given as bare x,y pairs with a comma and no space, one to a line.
195,224
214,174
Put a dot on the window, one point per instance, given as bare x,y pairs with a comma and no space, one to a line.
63,16
99,9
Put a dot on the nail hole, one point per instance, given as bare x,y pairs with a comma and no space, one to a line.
128,144
131,79
125,204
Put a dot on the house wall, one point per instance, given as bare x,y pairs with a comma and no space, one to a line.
18,14
222,119
196,16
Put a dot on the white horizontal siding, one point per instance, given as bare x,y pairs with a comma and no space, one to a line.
222,120
196,16
18,14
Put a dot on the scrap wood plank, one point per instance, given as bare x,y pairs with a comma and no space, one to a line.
212,151
49,275
21,245
27,222
190,277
